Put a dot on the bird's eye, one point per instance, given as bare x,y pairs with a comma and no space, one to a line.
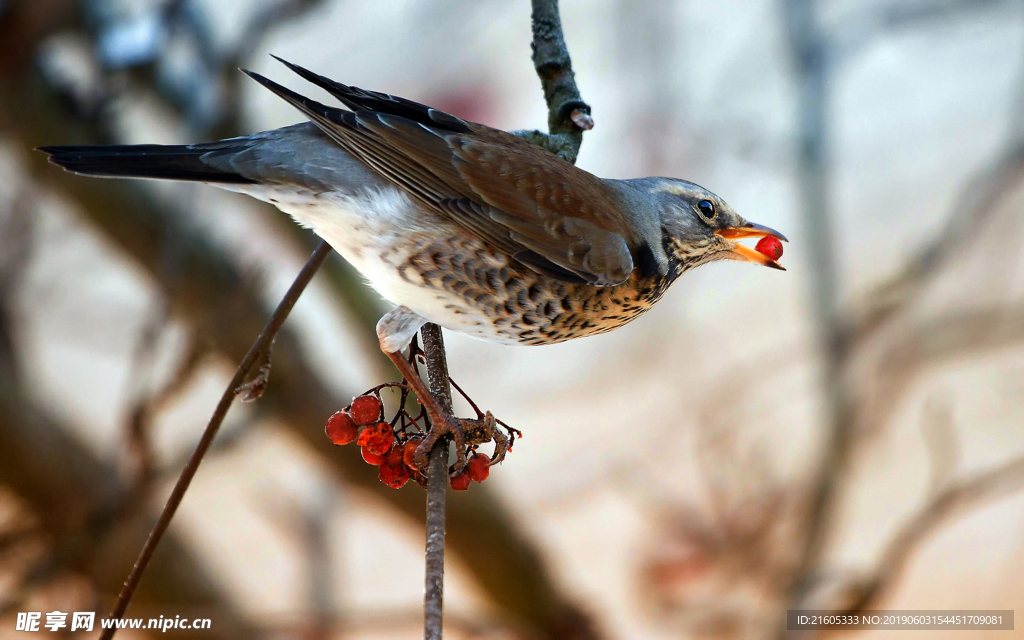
707,209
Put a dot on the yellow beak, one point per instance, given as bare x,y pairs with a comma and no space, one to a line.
746,254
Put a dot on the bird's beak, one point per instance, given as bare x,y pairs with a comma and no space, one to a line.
746,254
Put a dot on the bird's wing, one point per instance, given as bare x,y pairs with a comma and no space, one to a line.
519,198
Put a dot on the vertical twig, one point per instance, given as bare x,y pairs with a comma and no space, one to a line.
568,115
813,66
568,118
256,352
437,484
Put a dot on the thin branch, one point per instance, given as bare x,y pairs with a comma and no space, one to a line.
259,347
568,118
568,115
437,485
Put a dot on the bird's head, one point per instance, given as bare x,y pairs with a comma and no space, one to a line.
698,226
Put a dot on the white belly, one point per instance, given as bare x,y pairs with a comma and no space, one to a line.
377,231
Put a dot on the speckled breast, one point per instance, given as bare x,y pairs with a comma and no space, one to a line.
520,305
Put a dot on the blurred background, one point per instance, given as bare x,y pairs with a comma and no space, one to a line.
847,434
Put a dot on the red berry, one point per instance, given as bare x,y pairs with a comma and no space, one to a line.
409,455
418,477
394,455
461,482
377,438
770,246
365,410
340,428
479,467
393,475
373,458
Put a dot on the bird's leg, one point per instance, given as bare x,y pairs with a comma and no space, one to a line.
441,424
396,331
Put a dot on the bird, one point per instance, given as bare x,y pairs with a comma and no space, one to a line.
456,223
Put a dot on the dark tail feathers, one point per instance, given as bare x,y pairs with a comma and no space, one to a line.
167,162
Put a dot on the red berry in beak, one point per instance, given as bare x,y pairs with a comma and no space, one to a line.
461,482
377,439
365,410
341,429
769,246
479,467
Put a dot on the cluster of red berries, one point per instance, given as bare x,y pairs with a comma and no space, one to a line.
393,455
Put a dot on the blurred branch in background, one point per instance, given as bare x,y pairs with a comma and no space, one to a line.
872,350
740,540
224,309
871,356
813,61
845,336
955,500
868,24
257,358
85,517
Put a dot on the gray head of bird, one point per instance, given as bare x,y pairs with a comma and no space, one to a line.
698,226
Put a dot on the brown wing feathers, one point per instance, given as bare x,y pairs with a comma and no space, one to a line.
493,184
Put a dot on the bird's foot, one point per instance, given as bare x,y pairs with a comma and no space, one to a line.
487,428
400,447
466,433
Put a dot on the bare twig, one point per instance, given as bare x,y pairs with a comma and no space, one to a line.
255,388
259,347
568,115
437,484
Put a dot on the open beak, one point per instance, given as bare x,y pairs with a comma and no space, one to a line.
745,253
